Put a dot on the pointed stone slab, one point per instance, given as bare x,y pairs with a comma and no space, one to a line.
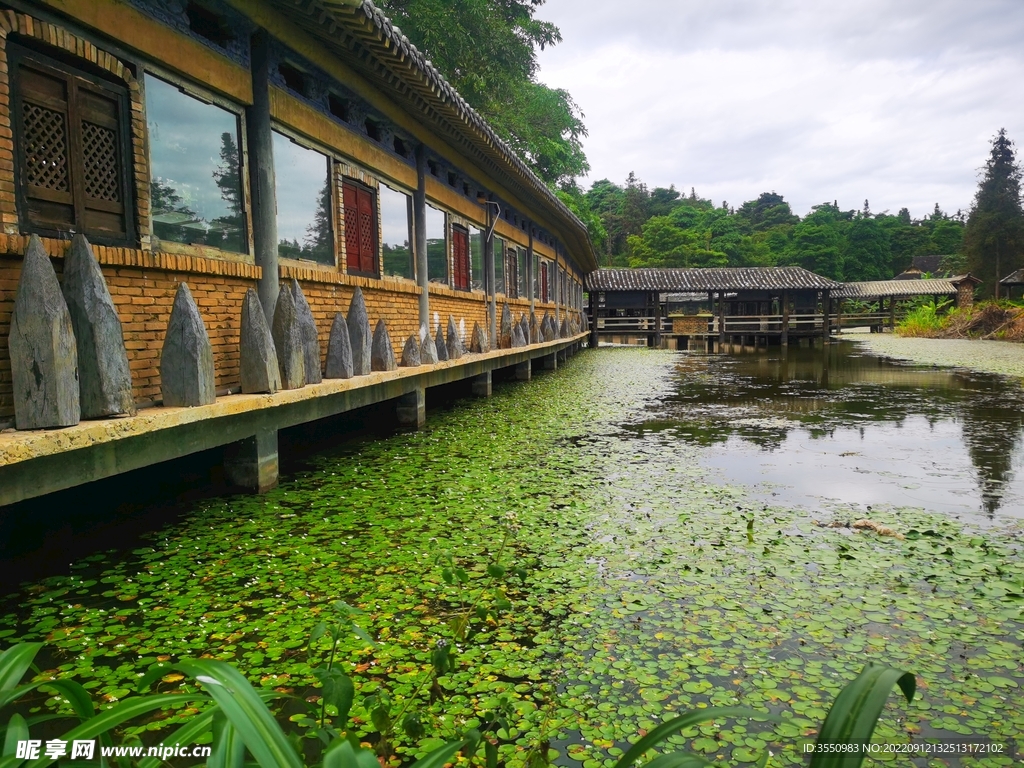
104,378
535,335
411,352
428,349
288,340
524,329
518,340
505,334
44,356
585,322
439,345
186,362
258,364
563,329
359,334
382,354
310,336
339,350
454,342
478,342
547,328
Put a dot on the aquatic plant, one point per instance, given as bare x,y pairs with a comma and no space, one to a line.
241,723
926,318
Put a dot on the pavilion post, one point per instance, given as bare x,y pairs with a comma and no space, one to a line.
826,306
892,312
785,318
721,320
657,320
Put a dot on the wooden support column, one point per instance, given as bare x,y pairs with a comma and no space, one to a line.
252,463
839,315
657,320
411,409
721,320
523,371
529,270
419,226
557,293
892,312
593,319
480,385
262,182
489,276
549,362
826,306
785,318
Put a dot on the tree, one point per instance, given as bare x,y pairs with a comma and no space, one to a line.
994,235
318,244
487,49
226,231
867,255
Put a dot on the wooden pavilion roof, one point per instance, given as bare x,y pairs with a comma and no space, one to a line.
876,289
709,279
1014,278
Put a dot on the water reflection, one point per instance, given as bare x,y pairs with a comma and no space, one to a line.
847,426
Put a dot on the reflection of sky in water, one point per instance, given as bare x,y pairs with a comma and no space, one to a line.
184,145
394,217
301,174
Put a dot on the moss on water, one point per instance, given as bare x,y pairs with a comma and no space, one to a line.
645,594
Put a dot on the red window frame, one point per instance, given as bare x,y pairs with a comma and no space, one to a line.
361,242
460,257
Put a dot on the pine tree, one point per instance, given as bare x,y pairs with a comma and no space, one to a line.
226,230
319,243
994,237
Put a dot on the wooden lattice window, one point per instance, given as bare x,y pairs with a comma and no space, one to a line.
460,254
360,229
71,149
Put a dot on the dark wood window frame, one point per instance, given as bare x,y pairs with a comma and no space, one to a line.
362,230
64,180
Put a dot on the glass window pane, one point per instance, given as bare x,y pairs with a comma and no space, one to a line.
536,277
304,228
499,265
437,246
476,258
396,232
195,164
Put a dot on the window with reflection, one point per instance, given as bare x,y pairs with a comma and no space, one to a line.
304,221
396,232
476,256
195,169
536,277
499,265
437,246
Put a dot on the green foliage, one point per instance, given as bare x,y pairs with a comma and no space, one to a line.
660,228
928,318
994,237
487,49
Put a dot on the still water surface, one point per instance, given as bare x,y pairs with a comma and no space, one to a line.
845,427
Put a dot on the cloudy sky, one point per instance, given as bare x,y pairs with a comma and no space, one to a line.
895,101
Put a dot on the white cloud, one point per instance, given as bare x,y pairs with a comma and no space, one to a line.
893,102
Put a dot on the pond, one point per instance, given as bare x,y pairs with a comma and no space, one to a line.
666,565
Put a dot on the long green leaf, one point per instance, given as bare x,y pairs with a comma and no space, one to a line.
676,724
14,662
440,756
189,733
341,754
855,713
228,748
17,730
115,716
79,698
245,709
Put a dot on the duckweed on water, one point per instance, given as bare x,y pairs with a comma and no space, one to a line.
648,590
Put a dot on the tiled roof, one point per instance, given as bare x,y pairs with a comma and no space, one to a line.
710,279
1017,278
874,289
363,37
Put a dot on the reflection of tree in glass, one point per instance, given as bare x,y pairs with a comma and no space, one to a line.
226,231
318,244
398,260
169,211
437,260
